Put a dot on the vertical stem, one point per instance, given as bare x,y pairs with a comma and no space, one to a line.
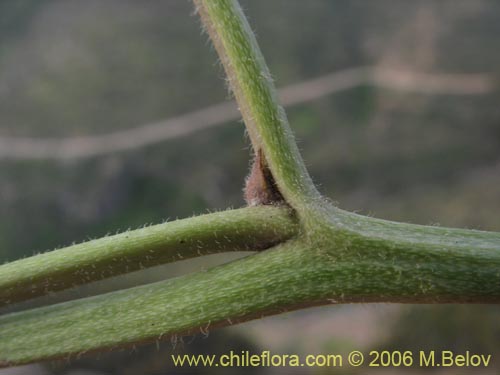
255,93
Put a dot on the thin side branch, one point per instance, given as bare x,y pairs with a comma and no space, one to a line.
246,229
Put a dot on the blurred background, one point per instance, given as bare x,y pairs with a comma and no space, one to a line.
395,106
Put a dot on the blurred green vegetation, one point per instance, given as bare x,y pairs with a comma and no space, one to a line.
89,67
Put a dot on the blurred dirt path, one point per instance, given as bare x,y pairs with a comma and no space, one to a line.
81,147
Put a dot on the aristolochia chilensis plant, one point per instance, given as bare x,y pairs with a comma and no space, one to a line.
307,252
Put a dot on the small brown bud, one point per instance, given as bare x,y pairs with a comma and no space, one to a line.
260,187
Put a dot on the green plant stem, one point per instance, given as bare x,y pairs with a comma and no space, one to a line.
416,264
268,127
254,228
254,90
335,256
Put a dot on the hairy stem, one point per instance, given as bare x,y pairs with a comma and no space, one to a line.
334,257
255,228
252,85
339,267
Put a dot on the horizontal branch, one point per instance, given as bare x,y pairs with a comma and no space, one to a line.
400,262
412,264
243,229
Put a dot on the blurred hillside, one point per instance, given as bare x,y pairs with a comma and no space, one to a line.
72,68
